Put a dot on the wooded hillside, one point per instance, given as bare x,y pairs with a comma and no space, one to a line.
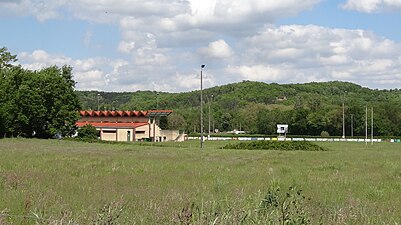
257,107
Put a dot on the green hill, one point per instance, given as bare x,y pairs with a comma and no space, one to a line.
257,107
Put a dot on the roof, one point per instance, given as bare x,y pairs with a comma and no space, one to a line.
112,125
148,113
155,113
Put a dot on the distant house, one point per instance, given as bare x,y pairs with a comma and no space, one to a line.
129,125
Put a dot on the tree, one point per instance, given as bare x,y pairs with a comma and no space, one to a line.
36,103
226,118
6,58
176,121
61,102
299,121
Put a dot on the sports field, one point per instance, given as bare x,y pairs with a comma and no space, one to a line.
67,182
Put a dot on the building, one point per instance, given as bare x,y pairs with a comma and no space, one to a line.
129,125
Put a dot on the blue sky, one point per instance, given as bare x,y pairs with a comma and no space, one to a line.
131,45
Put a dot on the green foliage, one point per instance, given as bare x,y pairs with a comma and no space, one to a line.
276,207
87,132
285,208
258,107
37,103
276,145
109,214
325,134
6,58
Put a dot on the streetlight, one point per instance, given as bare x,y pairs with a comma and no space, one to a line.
343,122
352,125
344,115
98,99
201,104
371,137
157,100
211,99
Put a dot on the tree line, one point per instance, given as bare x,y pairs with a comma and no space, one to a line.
257,107
44,103
39,103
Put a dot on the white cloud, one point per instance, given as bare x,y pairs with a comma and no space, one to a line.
298,53
282,54
373,6
40,59
42,10
264,73
217,49
90,73
163,40
126,47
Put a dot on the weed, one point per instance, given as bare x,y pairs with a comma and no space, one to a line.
109,214
275,208
185,216
285,208
11,180
3,216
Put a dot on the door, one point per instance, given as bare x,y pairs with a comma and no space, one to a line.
128,135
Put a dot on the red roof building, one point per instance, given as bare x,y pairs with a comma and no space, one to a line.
129,125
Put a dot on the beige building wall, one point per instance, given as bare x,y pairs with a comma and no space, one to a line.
125,134
141,132
148,131
172,135
108,135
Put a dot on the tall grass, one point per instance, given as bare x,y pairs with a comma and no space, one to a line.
64,182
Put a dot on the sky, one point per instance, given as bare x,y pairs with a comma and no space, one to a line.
160,45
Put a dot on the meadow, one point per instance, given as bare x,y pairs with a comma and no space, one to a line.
68,182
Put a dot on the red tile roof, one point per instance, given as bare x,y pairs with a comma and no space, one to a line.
112,125
92,113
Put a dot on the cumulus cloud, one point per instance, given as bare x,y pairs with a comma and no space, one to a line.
163,40
291,53
282,54
217,49
42,10
266,73
90,73
39,59
373,6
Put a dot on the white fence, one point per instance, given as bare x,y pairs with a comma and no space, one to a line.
294,139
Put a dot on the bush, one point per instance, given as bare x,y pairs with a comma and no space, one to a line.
87,132
276,145
325,134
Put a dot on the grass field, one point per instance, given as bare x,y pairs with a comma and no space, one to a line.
66,182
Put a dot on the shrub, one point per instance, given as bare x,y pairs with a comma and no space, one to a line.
87,132
285,207
276,145
325,134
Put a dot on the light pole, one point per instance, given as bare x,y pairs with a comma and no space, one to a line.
366,125
344,116
371,137
211,99
352,125
201,105
157,100
98,99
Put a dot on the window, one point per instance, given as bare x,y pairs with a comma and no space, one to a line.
109,131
